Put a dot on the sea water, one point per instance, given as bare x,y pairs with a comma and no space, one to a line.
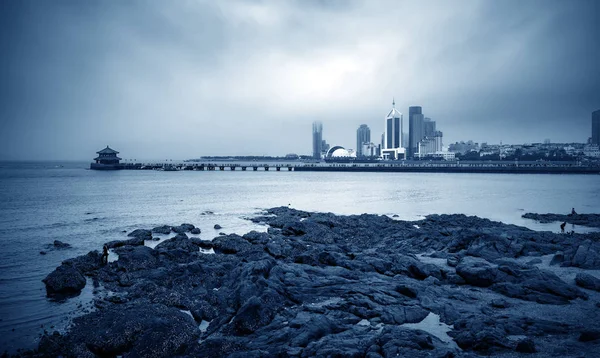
44,201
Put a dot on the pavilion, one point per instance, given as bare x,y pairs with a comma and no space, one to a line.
107,160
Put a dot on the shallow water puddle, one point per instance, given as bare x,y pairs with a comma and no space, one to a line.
112,256
432,325
205,251
203,326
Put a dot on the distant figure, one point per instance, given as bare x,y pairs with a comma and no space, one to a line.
105,254
562,227
573,211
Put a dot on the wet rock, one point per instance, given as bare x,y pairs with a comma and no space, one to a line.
86,263
141,234
218,227
317,284
65,279
477,272
558,258
133,330
136,241
42,252
165,229
135,258
526,346
188,227
61,245
230,244
591,220
587,281
195,231
589,335
587,255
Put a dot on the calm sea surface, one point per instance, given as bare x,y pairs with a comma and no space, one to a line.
43,202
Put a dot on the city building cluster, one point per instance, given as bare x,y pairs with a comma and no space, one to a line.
422,140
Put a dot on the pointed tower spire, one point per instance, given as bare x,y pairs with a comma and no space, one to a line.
393,102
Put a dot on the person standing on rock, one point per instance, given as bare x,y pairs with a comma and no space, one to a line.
573,211
105,254
562,227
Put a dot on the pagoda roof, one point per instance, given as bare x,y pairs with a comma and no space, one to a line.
108,150
107,158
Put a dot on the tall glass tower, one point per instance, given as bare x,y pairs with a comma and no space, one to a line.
393,128
363,135
317,137
415,129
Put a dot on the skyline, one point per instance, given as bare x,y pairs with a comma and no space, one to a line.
178,80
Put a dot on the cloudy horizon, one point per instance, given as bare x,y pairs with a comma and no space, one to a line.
157,79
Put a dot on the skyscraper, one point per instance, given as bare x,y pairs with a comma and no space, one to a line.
596,127
415,129
428,127
363,135
393,128
317,137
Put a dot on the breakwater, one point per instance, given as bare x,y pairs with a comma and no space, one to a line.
403,167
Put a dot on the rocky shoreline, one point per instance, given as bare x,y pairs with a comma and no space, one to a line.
318,284
589,220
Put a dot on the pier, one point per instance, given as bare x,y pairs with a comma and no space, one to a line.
384,167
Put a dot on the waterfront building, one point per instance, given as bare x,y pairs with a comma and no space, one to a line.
393,129
591,151
324,147
363,136
596,127
317,137
106,160
393,154
369,150
415,129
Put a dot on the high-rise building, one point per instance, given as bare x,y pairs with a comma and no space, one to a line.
428,127
415,129
596,127
317,137
363,135
393,128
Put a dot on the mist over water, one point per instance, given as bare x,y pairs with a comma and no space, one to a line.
44,201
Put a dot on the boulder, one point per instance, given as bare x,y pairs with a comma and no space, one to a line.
477,272
165,229
230,244
218,227
136,241
195,231
61,245
587,281
526,346
135,330
65,279
135,258
587,255
141,234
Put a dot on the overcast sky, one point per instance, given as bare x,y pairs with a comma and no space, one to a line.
181,79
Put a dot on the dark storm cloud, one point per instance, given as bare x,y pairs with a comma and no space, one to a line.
181,79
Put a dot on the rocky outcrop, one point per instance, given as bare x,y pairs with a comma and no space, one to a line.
165,230
65,280
60,245
319,284
587,281
591,220
141,234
